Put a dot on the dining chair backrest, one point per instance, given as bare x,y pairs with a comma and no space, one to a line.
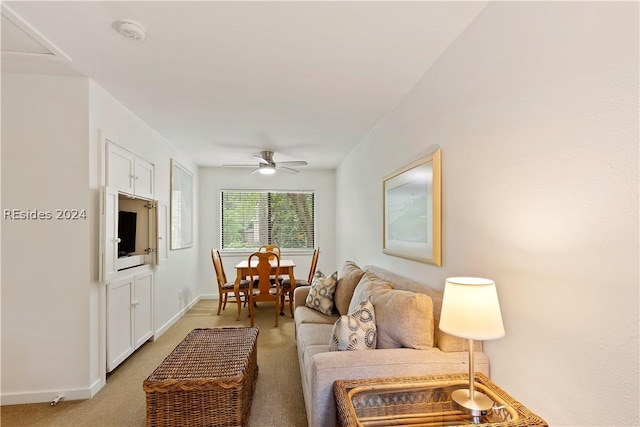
314,264
263,270
217,266
267,290
223,274
271,248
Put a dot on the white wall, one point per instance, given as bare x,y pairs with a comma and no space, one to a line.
535,107
53,308
45,263
213,180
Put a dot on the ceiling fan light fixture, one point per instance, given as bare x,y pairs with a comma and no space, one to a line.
267,169
267,166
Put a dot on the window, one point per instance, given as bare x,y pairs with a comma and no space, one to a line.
252,219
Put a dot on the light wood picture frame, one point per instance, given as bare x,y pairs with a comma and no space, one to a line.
181,206
412,217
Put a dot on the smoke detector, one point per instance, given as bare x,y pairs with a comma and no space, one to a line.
130,29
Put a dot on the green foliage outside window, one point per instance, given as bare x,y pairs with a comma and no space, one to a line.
252,219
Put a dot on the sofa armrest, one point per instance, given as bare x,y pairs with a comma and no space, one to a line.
300,295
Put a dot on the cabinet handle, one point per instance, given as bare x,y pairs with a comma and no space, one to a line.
118,240
135,303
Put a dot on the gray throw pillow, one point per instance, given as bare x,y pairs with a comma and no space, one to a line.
320,295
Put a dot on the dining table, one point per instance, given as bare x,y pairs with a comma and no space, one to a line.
243,270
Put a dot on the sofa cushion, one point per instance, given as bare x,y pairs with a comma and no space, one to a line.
348,278
309,334
356,330
304,314
403,318
367,285
321,293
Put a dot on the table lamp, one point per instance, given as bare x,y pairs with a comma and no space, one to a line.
470,310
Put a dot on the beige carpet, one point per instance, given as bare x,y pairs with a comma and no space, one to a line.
277,401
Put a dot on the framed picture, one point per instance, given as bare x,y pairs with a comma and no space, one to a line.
181,206
412,211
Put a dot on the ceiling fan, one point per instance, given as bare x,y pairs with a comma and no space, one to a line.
267,166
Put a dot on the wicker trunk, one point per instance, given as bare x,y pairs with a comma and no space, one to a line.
207,380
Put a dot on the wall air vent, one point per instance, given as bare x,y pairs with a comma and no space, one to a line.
15,40
20,38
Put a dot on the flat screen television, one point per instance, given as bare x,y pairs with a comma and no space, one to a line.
126,233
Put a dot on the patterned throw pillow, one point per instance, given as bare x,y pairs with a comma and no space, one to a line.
356,330
320,295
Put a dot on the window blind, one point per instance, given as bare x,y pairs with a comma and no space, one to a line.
252,219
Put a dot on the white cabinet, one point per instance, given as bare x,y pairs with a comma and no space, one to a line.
128,173
131,234
129,315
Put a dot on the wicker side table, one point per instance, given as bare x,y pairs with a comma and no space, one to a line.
423,401
208,379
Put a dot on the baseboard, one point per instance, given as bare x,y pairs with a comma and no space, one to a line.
45,396
96,387
177,317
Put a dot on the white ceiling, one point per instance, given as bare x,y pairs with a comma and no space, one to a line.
224,80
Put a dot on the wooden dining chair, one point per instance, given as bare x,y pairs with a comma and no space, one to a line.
287,289
276,250
225,287
272,248
261,286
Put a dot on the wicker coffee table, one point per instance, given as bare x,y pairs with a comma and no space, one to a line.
423,401
207,380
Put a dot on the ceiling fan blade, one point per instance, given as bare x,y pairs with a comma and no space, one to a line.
294,163
239,166
254,171
286,169
261,159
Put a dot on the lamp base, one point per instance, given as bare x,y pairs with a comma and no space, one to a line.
478,406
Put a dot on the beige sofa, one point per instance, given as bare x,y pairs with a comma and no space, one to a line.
319,367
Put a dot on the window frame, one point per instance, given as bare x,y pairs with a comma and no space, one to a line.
246,251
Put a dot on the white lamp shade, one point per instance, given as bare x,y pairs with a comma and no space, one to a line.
470,309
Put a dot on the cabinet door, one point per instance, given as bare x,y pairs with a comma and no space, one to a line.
120,169
142,308
108,234
119,321
162,215
143,178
